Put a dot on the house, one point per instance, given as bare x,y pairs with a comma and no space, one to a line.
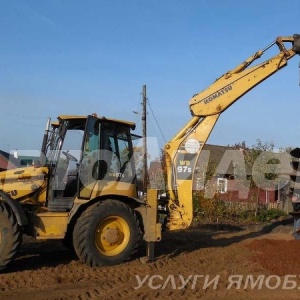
223,170
27,157
26,160
221,164
8,161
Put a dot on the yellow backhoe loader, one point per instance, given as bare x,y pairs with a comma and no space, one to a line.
83,188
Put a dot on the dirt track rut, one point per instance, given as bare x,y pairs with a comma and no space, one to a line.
47,270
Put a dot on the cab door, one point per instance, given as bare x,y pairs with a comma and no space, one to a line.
88,169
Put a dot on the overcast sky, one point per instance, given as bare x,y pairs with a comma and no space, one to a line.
83,57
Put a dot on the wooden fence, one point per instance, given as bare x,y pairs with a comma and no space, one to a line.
285,206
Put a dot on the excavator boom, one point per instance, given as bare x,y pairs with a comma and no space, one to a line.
183,150
234,84
90,200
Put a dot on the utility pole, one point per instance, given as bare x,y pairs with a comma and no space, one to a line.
144,123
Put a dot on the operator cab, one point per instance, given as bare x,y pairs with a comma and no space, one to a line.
83,151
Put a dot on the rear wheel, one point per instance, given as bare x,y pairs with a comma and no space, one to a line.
10,235
107,233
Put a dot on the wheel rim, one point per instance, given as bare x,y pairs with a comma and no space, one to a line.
112,235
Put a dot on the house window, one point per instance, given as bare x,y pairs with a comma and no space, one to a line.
222,185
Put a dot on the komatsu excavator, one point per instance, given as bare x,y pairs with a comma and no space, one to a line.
83,188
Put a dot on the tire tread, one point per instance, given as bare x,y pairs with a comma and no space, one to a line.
16,235
82,226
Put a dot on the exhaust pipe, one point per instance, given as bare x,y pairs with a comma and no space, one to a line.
45,140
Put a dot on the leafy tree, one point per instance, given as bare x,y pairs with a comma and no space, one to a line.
138,155
157,172
261,161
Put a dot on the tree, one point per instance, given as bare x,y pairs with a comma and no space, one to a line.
138,154
261,160
157,172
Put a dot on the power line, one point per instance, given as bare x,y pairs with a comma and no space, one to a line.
156,121
154,126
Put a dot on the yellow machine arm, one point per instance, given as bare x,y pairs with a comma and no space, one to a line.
183,150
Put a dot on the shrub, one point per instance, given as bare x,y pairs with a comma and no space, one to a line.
215,210
265,215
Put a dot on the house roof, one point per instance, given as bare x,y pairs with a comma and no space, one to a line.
224,159
8,161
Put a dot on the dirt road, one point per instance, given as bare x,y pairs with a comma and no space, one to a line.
208,262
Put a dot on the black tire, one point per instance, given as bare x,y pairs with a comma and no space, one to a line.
68,243
10,235
107,233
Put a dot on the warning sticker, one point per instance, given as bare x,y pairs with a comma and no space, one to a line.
192,146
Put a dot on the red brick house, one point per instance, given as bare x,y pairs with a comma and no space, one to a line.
8,161
218,162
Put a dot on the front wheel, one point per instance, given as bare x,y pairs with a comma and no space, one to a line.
107,233
10,235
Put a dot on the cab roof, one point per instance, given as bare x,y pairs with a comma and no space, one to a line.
76,117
